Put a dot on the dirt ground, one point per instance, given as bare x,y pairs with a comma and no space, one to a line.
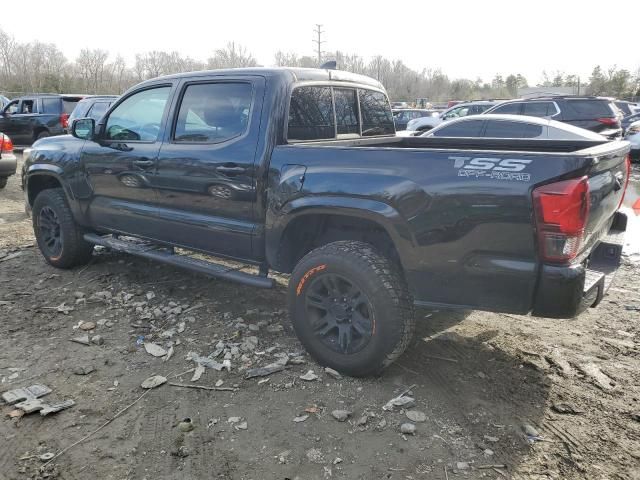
481,379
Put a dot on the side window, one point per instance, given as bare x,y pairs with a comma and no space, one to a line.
213,112
97,110
51,105
376,114
346,103
509,108
27,106
503,129
539,109
12,107
311,114
471,128
138,118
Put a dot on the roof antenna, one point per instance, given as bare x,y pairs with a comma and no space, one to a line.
330,65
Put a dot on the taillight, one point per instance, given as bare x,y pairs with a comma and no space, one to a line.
608,121
64,120
562,210
6,145
626,182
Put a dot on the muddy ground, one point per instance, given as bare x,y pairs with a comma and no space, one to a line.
480,378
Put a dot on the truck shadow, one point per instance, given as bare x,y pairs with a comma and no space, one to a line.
476,396
481,394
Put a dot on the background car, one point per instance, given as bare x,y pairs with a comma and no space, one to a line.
597,114
403,116
629,119
8,161
632,135
414,127
94,106
511,126
31,117
627,108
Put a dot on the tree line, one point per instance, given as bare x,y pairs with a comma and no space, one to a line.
42,67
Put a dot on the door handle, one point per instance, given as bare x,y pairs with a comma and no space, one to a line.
143,163
231,170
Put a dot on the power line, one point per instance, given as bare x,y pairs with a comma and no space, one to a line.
318,31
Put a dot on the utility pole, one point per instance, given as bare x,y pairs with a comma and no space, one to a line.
318,31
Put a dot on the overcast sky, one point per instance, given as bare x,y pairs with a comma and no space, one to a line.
464,38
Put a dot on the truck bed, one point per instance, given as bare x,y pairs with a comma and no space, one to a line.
460,211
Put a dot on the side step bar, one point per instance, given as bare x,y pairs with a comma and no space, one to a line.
159,254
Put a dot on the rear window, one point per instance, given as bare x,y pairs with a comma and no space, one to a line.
509,108
376,114
539,109
471,128
69,104
98,110
504,129
311,114
51,105
588,109
346,102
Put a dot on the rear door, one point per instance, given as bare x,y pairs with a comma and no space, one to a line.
205,176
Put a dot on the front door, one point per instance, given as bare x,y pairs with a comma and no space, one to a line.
206,175
120,163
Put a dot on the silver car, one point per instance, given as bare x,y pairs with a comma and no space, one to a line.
511,126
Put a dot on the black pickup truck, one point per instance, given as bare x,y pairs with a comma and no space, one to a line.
299,171
31,117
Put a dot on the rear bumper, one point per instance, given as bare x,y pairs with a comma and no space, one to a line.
8,164
566,291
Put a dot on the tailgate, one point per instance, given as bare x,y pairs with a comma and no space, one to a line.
608,178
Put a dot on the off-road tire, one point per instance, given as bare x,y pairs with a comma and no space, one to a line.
384,287
3,182
74,250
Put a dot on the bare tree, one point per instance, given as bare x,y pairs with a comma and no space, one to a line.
232,56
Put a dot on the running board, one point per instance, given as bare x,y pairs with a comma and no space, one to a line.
160,254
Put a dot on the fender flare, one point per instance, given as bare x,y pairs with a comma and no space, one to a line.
54,171
376,211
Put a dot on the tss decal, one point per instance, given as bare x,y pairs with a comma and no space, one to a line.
495,168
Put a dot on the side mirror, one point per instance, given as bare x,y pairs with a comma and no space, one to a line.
83,128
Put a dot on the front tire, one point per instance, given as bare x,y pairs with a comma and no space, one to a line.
3,182
350,308
59,238
43,134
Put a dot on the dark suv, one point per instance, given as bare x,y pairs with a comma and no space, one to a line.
94,106
597,114
28,118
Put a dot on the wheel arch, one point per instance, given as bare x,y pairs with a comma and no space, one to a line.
311,223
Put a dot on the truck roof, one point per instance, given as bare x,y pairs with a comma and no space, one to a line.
291,74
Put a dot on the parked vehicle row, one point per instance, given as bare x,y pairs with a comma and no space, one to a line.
597,114
368,224
632,135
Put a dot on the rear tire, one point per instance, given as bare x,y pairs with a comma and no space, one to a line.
350,308
3,182
59,238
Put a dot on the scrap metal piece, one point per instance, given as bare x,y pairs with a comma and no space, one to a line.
25,394
34,405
